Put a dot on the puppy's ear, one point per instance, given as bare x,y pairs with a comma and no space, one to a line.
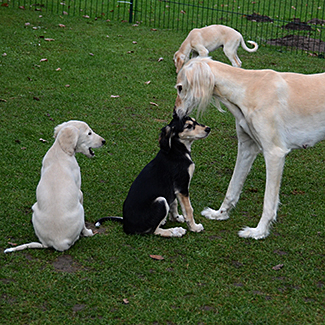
68,138
58,128
166,138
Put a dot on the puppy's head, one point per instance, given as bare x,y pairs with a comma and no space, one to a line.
182,130
179,59
77,136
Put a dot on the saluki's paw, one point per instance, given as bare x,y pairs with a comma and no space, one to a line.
178,218
178,232
253,233
214,214
8,250
197,227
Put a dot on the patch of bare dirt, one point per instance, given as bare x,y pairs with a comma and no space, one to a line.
300,42
65,263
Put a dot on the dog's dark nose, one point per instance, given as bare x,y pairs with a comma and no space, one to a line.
207,129
103,141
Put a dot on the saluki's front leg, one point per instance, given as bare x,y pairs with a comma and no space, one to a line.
274,161
247,152
188,213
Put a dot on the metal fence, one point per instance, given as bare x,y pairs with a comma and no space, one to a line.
292,24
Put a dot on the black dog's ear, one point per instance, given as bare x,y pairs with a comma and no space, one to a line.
165,138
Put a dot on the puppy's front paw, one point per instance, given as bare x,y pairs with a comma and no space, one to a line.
197,227
178,218
215,214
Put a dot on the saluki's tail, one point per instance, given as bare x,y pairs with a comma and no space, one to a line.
244,46
101,220
24,246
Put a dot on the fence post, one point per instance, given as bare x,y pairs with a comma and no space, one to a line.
131,11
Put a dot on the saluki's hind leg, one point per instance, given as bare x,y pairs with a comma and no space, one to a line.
247,152
171,232
274,161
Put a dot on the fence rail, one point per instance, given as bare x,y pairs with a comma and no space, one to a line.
293,24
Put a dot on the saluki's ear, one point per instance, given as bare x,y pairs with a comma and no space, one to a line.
165,138
68,138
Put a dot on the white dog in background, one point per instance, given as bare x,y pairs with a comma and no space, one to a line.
58,214
275,112
201,41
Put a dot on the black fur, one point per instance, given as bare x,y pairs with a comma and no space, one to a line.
167,173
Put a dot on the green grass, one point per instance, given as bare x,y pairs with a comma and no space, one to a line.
213,277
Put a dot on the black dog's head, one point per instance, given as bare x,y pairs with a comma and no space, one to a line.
182,130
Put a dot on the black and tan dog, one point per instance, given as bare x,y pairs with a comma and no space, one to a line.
154,193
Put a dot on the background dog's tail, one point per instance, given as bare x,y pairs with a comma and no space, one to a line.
24,246
244,46
101,220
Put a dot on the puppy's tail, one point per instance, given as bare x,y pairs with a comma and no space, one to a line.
101,220
24,246
244,46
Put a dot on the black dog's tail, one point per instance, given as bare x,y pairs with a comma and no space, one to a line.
101,220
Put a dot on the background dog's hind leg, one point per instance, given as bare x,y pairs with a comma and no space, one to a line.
163,207
173,213
247,152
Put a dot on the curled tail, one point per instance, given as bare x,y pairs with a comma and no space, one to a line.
101,220
244,46
24,246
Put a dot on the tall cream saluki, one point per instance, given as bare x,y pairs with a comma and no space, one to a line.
201,41
275,112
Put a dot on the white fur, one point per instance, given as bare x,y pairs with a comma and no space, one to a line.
201,41
275,112
58,214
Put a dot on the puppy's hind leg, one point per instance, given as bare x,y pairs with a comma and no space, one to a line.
171,232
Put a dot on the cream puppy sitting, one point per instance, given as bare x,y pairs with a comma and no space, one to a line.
58,214
201,41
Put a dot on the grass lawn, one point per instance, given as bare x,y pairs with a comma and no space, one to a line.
213,277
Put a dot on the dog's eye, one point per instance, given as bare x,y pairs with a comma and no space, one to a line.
189,126
89,133
179,88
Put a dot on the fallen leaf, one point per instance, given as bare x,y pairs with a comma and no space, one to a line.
153,29
85,16
125,301
23,148
42,140
49,39
5,5
115,96
278,267
13,244
64,13
61,25
58,69
134,42
152,103
43,60
36,98
135,25
148,82
91,54
21,7
183,12
27,24
157,257
129,52
3,100
160,59
4,54
67,86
